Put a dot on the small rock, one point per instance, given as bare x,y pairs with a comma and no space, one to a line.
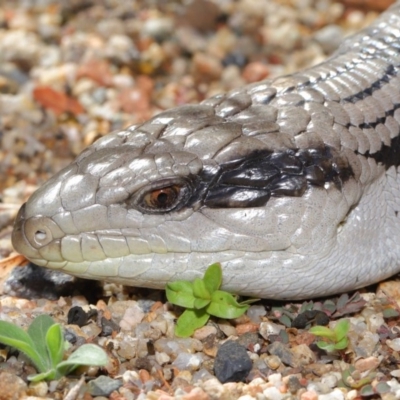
394,344
269,328
232,363
294,384
202,375
12,387
390,289
366,364
162,358
108,326
249,340
173,347
187,361
132,317
330,380
309,395
227,329
273,362
255,313
247,328
272,393
254,72
204,332
395,373
128,346
304,318
303,354
329,38
285,355
38,389
103,386
196,394
336,394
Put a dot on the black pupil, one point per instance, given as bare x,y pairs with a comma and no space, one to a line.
162,198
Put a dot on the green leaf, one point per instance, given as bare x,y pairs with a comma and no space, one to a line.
87,354
323,331
180,293
55,344
37,331
248,301
341,329
329,347
48,375
224,305
201,303
213,277
14,336
189,321
200,290
341,344
285,320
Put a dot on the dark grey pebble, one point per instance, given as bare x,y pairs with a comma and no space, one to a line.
309,316
232,363
108,327
280,350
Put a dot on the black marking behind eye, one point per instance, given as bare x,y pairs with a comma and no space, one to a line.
261,175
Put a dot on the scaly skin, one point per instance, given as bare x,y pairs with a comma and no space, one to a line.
291,184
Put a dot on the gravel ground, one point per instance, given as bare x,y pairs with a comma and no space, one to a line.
72,71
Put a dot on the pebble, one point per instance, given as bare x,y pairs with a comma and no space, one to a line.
272,393
232,363
132,317
285,355
309,395
366,364
303,355
270,328
12,387
39,389
329,38
204,332
173,347
187,361
293,384
394,344
103,386
273,362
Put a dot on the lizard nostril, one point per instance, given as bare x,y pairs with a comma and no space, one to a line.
41,231
40,235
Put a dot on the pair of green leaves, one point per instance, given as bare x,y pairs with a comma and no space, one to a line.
202,298
43,343
336,338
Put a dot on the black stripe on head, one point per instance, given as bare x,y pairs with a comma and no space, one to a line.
252,181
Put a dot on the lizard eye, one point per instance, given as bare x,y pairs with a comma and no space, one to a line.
163,196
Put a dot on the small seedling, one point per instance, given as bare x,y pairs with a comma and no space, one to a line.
43,343
334,339
202,298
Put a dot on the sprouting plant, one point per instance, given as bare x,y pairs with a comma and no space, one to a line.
43,343
202,298
334,339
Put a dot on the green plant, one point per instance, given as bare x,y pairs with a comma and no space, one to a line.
334,339
202,298
44,345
